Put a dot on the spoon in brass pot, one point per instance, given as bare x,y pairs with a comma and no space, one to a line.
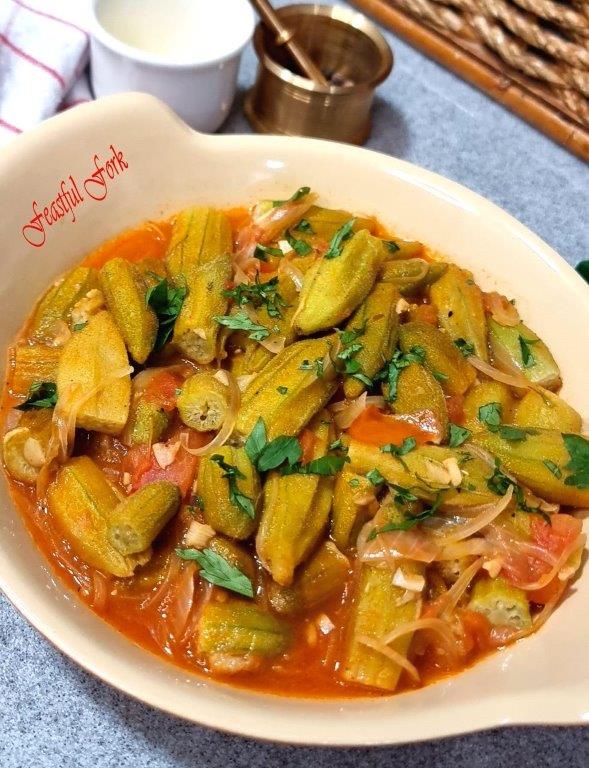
284,36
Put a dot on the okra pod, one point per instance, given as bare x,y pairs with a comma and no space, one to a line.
125,291
222,491
442,357
347,516
199,236
235,555
517,349
540,462
290,389
411,276
379,608
31,363
502,604
295,513
196,332
321,579
88,370
418,390
483,393
548,411
203,402
377,315
236,628
81,500
459,302
334,287
146,424
325,222
137,520
152,271
58,302
25,448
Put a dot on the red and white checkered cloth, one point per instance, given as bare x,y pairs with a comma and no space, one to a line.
43,55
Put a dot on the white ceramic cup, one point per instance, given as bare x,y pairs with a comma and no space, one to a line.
198,84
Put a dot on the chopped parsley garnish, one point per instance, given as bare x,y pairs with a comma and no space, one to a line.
337,445
392,246
411,521
241,322
339,238
528,358
166,300
499,484
345,361
406,446
304,225
316,365
232,474
457,435
197,501
403,496
390,373
42,394
552,467
578,450
300,193
300,246
79,326
282,390
375,477
324,465
254,445
263,251
354,482
216,570
490,415
281,451
258,294
514,434
439,376
466,347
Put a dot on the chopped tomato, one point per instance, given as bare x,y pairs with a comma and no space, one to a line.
149,241
307,441
268,266
476,631
377,428
544,595
561,532
455,407
161,390
425,313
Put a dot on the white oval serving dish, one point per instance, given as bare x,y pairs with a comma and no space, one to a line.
128,158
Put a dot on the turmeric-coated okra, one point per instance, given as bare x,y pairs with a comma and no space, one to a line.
410,276
546,410
58,302
31,363
203,402
419,390
199,235
517,349
347,516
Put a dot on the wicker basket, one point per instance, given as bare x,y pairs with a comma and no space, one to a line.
531,55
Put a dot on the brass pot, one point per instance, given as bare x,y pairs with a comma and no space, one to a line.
349,50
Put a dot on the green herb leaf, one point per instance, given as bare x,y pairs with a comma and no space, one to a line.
256,442
79,326
300,193
402,496
406,446
375,477
552,467
216,570
354,482
258,294
197,501
279,451
316,365
578,450
304,225
457,435
409,522
514,434
166,300
324,465
440,376
392,246
339,238
399,360
263,251
528,358
465,347
42,394
236,497
282,390
337,445
490,414
241,322
300,246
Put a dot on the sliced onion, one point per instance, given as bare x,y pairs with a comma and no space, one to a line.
197,609
287,267
273,344
391,654
512,380
450,599
575,545
486,514
479,453
434,625
228,424
156,597
180,605
347,411
390,547
502,310
505,543
281,217
100,585
470,548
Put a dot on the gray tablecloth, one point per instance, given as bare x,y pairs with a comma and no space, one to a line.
52,714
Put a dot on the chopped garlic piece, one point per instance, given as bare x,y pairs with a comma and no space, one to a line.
243,381
436,473
402,306
165,454
413,582
285,246
493,567
221,376
324,624
88,305
198,535
33,452
126,478
311,633
451,465
60,333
